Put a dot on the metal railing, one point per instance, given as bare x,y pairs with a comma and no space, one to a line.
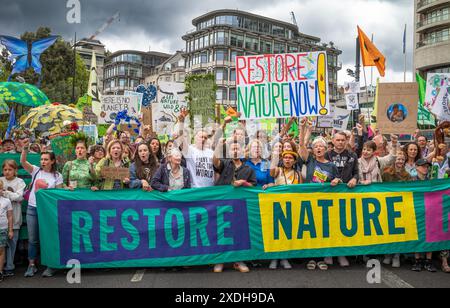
423,3
433,20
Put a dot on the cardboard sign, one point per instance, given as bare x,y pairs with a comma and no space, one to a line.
113,173
113,104
171,99
282,85
397,107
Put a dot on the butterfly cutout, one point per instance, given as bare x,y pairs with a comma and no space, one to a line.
149,94
26,54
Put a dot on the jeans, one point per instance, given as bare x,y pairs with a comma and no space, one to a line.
11,251
33,233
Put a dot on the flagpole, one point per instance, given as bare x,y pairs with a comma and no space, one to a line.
371,70
404,52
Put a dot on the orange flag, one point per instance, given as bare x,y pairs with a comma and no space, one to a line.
371,56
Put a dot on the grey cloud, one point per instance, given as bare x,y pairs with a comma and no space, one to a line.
170,19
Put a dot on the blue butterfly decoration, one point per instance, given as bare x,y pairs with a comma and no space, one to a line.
149,94
26,54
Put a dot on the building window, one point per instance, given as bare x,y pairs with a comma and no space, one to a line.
122,82
221,38
221,55
237,40
266,46
221,94
204,57
233,75
233,94
264,28
251,43
279,48
278,31
221,74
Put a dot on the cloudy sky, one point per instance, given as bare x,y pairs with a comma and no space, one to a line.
159,25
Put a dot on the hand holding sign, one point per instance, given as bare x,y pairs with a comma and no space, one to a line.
113,173
183,114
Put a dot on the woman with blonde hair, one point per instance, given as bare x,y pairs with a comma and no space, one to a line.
114,158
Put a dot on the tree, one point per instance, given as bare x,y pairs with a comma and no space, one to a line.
57,69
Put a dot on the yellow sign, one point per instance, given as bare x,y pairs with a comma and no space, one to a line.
315,221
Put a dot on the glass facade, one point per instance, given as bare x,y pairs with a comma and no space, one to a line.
435,37
217,48
247,23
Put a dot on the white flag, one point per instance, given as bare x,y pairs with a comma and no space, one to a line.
441,105
93,86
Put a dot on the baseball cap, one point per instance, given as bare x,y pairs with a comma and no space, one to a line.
422,162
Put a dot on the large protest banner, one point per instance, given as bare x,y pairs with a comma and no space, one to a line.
171,99
226,224
437,98
113,104
283,85
397,107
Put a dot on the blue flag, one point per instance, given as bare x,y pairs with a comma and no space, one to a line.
404,41
11,124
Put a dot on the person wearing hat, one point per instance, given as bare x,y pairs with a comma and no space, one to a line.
423,170
284,175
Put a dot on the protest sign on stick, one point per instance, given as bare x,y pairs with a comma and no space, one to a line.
397,107
283,85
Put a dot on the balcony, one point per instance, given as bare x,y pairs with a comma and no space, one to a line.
429,42
423,5
433,22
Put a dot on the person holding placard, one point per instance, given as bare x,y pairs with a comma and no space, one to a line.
111,171
43,177
143,169
318,170
199,157
79,173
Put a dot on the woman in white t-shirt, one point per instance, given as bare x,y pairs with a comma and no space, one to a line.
43,177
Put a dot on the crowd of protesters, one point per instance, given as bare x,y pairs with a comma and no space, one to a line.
348,157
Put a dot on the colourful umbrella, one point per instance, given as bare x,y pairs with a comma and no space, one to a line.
49,119
23,94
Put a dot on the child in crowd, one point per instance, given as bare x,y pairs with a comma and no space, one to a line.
6,228
13,188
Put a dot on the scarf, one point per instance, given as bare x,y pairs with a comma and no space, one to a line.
370,170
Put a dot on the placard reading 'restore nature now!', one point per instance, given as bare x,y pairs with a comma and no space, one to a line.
283,85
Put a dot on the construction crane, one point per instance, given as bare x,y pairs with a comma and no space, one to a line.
106,25
294,20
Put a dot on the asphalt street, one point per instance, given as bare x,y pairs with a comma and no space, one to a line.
354,276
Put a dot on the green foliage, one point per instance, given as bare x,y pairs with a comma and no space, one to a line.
57,69
84,101
102,130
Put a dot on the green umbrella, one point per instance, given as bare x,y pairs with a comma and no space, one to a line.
22,94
